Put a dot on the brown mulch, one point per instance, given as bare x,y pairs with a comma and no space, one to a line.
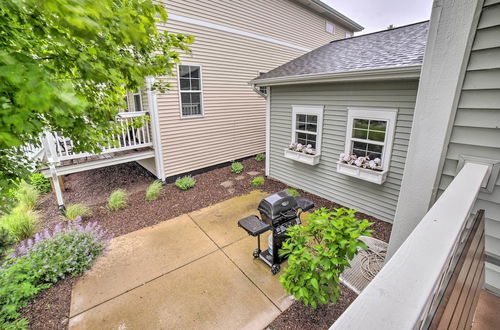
50,308
300,317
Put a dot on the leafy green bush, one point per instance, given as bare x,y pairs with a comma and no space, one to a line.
292,192
154,190
21,224
260,157
27,196
237,167
185,183
257,181
75,210
319,252
41,262
41,183
6,241
117,200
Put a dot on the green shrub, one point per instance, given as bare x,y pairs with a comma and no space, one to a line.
27,196
257,181
318,253
154,190
6,241
260,157
292,192
41,262
75,210
21,224
237,167
117,200
40,182
185,183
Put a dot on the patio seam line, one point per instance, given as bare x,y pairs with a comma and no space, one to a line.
221,249
144,283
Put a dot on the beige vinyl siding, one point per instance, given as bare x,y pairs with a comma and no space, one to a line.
233,125
476,130
283,20
370,198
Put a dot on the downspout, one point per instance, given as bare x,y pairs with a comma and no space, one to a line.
155,129
268,130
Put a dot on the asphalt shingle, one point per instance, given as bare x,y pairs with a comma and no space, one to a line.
399,47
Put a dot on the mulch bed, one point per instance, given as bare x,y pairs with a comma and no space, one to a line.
50,309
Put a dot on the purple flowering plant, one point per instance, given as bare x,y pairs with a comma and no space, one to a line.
69,249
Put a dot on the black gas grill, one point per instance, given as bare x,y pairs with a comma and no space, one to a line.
278,212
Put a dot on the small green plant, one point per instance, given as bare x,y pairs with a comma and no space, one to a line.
40,182
260,157
154,190
185,182
292,192
319,252
257,181
6,241
237,167
21,224
75,210
117,200
40,262
27,196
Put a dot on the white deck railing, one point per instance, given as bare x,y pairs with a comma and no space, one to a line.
406,292
59,148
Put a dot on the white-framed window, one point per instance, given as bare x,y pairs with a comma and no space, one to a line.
330,27
190,90
307,125
370,132
133,101
348,34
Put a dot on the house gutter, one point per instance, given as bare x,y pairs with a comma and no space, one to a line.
323,8
406,72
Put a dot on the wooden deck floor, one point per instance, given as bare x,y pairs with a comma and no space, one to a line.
487,312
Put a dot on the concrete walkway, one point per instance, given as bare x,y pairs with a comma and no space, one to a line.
195,271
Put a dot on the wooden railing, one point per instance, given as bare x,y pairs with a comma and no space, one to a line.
408,290
59,148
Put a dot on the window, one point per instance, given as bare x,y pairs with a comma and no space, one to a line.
370,132
133,101
307,124
190,91
330,27
348,34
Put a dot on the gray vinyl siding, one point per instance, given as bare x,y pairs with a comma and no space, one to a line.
322,179
476,129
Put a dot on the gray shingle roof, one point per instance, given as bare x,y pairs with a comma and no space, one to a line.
399,47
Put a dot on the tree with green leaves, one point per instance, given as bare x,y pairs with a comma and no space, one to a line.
65,66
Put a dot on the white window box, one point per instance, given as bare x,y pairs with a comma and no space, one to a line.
302,157
378,177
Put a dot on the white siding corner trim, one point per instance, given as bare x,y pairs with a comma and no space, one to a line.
235,31
268,129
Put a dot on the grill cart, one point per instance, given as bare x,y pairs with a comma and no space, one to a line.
278,212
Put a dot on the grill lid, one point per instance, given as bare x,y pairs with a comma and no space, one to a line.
272,206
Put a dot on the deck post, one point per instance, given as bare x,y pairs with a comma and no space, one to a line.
57,188
155,129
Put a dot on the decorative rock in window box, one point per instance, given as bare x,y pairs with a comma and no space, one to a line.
303,154
302,157
362,168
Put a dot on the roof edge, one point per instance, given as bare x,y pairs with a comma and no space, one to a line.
397,72
336,14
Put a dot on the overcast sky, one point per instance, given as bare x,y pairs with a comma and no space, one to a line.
376,15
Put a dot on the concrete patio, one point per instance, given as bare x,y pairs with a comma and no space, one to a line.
193,271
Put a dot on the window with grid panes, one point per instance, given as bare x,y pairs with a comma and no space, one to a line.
190,90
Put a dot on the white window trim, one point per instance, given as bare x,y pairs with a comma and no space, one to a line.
187,91
387,114
309,110
131,101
